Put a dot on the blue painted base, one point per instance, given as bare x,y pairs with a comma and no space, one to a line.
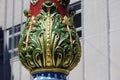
49,76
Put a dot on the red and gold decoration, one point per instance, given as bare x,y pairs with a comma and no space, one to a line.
49,44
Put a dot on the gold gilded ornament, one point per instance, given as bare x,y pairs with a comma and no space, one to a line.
49,42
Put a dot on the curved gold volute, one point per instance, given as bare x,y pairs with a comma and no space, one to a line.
49,42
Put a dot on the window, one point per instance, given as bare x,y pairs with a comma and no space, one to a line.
17,29
13,39
16,40
10,31
10,43
80,33
77,18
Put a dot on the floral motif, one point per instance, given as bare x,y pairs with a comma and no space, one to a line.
50,42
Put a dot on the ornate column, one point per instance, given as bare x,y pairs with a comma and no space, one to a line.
49,46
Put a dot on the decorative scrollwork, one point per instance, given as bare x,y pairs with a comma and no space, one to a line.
50,42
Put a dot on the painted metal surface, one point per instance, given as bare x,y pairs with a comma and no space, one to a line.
49,42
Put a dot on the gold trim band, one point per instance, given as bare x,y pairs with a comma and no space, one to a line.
50,70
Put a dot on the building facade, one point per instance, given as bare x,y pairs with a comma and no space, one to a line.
97,23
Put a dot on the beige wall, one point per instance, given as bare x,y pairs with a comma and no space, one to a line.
18,71
114,38
17,15
95,42
73,1
95,22
2,12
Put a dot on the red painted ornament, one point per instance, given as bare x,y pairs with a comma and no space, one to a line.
36,8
